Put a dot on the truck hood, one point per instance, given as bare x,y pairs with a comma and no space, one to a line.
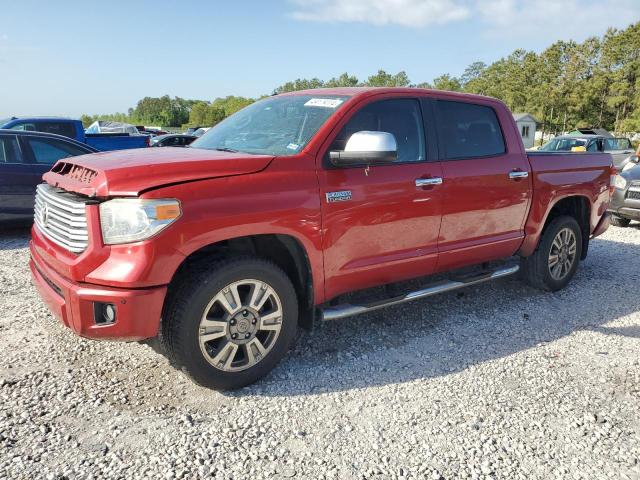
131,172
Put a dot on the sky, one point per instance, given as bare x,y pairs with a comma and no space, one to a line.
73,57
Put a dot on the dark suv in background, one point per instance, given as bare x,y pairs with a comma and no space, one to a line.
24,158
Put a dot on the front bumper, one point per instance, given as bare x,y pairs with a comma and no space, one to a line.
626,203
137,310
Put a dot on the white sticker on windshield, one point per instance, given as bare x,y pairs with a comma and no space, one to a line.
293,146
323,102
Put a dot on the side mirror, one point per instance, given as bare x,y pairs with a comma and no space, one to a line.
367,148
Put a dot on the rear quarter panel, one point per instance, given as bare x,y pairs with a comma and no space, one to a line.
560,175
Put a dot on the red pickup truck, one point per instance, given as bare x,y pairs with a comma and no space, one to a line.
223,249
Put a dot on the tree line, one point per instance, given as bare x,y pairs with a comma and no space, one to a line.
569,85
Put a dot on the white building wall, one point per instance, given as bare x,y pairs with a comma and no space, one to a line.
527,131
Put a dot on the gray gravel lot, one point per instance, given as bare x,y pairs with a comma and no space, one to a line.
496,381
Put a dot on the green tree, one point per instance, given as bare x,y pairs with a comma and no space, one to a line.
344,80
472,72
205,114
447,82
384,79
299,84
231,104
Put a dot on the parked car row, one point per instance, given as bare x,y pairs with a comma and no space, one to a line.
75,130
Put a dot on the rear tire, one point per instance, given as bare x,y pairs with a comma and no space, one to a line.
619,221
228,323
555,261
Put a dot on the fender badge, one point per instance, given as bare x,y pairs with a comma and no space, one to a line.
341,196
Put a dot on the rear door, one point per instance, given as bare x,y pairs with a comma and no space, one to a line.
16,180
380,224
486,184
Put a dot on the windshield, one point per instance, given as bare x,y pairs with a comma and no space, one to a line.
563,144
4,121
274,126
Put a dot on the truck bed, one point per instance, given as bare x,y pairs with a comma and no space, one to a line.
116,141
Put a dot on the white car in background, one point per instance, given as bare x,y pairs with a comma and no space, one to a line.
201,131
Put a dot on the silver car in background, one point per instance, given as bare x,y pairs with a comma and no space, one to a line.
620,148
625,201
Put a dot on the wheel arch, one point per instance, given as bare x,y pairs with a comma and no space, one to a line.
286,251
577,206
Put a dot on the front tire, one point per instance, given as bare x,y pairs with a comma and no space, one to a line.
555,261
617,221
229,323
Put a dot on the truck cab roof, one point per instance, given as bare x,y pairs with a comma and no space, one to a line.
366,91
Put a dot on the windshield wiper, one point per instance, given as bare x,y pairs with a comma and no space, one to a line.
225,149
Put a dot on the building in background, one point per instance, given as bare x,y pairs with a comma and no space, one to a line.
527,128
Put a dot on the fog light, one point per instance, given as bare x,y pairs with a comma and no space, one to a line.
110,313
104,313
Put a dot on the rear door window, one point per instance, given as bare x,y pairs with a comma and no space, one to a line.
49,151
9,149
611,144
468,130
594,146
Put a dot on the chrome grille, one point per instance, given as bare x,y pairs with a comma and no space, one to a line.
61,217
634,194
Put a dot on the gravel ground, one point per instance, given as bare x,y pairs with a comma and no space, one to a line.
496,381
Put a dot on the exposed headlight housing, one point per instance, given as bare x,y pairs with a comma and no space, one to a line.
629,166
619,182
126,220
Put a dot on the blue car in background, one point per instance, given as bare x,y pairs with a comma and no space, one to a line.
75,130
24,158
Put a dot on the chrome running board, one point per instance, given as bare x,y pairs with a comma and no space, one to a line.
347,310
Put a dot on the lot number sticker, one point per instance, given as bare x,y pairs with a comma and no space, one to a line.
323,102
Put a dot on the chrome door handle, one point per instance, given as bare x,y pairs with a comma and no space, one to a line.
518,174
425,182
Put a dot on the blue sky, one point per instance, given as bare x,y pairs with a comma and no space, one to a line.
72,57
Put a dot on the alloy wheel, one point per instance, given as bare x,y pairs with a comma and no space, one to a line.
562,255
240,325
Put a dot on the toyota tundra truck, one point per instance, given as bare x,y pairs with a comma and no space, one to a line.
279,216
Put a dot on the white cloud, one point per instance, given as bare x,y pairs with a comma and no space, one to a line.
549,19
408,13
554,19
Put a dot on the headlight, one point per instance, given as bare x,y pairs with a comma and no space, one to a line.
125,220
619,182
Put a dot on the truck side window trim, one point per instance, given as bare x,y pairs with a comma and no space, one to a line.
423,143
442,141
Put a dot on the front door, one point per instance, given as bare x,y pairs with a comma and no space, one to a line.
380,224
486,185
